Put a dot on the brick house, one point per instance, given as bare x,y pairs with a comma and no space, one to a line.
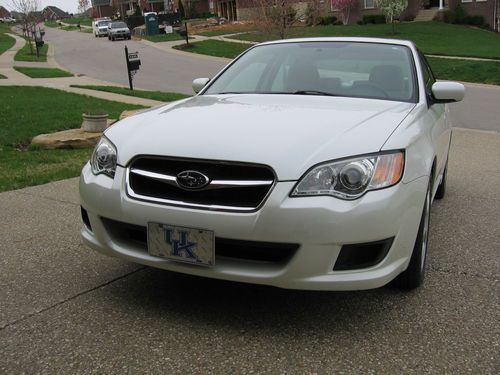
248,9
4,13
102,8
54,13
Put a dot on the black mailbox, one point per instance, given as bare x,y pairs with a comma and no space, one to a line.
39,43
134,64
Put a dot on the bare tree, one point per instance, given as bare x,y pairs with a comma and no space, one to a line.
275,16
29,20
344,7
313,12
83,5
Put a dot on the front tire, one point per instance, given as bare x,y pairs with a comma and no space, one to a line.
413,277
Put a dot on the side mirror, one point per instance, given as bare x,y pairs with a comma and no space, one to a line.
199,83
448,92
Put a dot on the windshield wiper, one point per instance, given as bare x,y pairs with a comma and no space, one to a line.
312,92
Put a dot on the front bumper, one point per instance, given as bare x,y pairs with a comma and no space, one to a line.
320,225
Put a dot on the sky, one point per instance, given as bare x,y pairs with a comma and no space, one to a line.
70,6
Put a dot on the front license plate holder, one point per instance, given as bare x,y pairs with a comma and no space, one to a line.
182,244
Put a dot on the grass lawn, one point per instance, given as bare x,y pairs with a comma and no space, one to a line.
163,37
88,31
43,72
6,42
467,71
154,95
2,76
225,30
215,48
433,38
24,54
69,28
51,24
29,111
82,20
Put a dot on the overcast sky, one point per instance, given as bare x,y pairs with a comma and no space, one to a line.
70,6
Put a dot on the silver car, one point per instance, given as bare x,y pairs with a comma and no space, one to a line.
305,164
118,30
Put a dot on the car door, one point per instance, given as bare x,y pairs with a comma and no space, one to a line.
436,118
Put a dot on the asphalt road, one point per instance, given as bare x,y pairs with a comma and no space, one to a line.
174,71
82,53
67,310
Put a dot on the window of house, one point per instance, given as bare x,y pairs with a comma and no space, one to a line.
369,4
466,1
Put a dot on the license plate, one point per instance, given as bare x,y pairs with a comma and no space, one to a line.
188,245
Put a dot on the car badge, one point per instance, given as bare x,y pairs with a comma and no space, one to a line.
192,180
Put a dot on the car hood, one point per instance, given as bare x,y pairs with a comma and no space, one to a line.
288,133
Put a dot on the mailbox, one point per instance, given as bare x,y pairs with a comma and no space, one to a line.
39,43
134,64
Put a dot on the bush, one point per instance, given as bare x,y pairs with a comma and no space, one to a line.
327,20
459,14
373,18
474,20
447,16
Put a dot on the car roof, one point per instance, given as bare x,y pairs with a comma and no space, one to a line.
400,42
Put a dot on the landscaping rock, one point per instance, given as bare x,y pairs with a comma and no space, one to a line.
126,114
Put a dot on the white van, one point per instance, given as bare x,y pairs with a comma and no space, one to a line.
100,26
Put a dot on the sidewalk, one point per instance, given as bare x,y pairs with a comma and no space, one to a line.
14,78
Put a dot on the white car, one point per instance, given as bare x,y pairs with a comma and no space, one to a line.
100,27
304,164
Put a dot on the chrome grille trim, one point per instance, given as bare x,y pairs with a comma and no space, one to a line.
214,184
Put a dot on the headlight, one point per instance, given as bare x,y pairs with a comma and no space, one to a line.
103,158
351,178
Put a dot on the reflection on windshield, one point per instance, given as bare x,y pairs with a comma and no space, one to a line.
353,69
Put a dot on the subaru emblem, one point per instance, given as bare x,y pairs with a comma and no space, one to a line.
192,180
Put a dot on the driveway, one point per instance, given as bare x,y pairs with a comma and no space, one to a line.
65,309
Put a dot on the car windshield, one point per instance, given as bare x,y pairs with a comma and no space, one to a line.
103,23
352,69
118,25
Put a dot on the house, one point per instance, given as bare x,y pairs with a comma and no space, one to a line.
4,13
102,8
54,13
249,9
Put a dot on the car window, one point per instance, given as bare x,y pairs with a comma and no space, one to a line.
355,69
118,25
427,74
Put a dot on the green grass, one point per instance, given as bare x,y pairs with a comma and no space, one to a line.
82,20
70,28
233,29
29,111
51,24
215,48
6,42
2,76
88,31
43,72
154,95
466,71
163,37
24,54
433,38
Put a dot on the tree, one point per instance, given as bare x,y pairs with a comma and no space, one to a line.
29,20
313,12
392,9
83,5
344,7
276,16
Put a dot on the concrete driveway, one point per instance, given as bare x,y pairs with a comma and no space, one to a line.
68,310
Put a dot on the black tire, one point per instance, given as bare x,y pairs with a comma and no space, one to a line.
441,190
413,277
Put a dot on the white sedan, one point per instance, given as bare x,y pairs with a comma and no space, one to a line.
304,164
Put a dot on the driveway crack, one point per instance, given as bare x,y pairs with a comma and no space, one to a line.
9,324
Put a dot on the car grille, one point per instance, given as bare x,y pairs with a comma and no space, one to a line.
230,186
255,251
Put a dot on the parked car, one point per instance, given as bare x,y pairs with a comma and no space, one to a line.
118,30
100,26
7,20
304,164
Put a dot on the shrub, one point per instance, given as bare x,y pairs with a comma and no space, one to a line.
459,14
474,20
327,20
447,16
373,18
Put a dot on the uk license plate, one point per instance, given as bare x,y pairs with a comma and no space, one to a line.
182,244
